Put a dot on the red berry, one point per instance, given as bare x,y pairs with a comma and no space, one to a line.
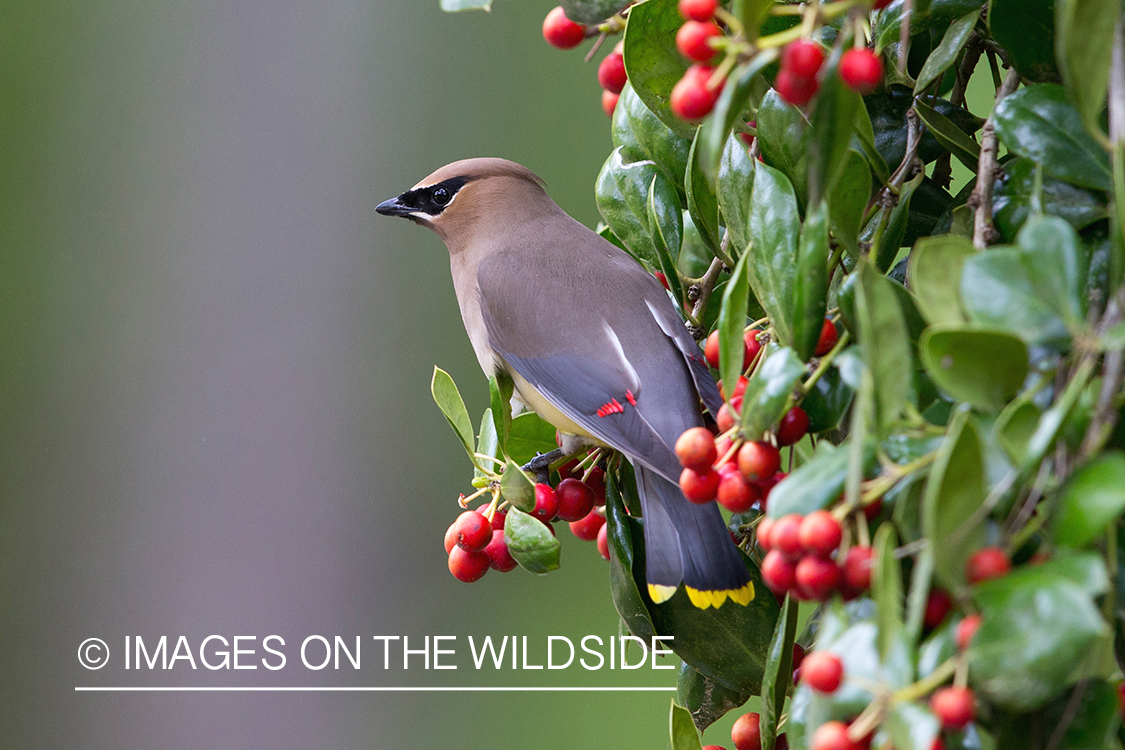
699,487
596,482
450,537
827,340
739,387
937,744
880,4
938,606
587,528
872,510
758,461
965,631
735,493
746,734
753,346
763,531
546,502
560,31
766,486
857,568
468,566
603,541
785,536
609,102
498,518
953,707
1121,695
713,747
575,500
611,72
817,578
794,89
499,558
798,655
693,37
698,10
726,418
822,671
820,533
832,735
696,449
794,426
803,58
691,99
778,572
986,564
722,448
861,70
473,531
711,350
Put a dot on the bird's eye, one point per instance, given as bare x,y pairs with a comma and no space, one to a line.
441,196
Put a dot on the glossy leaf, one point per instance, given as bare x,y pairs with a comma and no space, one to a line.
827,402
818,482
448,399
1026,30
715,132
681,729
701,201
779,668
1015,193
706,699
925,16
591,11
751,13
1091,500
652,62
954,494
1089,714
887,111
531,544
736,184
1015,427
935,277
774,232
500,389
625,535
667,253
1083,44
832,122
810,288
886,588
1040,124
530,435
912,726
952,138
894,234
517,487
623,193
768,390
732,321
883,342
847,200
985,368
642,136
947,50
487,442
783,137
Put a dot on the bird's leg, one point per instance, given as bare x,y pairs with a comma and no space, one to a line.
541,464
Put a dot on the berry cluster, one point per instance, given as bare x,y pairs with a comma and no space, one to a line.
475,541
694,95
801,557
801,61
562,33
737,476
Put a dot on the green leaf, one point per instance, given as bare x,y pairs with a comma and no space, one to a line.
1015,192
1091,500
652,62
453,6
751,13
666,253
715,132
924,17
1040,124
732,321
736,184
954,493
681,729
951,137
1026,30
778,675
818,482
888,112
530,435
985,368
1083,44
624,536
448,399
883,343
701,201
1089,712
591,11
810,292
827,402
865,137
500,389
886,587
767,392
847,200
920,577
517,487
623,194
487,442
911,726
774,232
934,272
531,544
1038,623
833,120
947,51
642,136
783,136
1015,427
706,699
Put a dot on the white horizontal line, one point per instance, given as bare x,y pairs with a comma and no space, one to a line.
379,689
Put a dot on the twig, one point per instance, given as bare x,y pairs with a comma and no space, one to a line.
707,286
943,169
1069,714
983,231
904,35
1104,418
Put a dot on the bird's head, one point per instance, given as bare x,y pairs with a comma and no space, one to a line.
461,199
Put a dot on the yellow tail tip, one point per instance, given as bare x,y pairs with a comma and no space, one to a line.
659,593
704,598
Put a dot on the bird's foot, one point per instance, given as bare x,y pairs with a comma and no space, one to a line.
540,466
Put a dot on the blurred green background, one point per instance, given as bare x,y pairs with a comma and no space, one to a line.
215,360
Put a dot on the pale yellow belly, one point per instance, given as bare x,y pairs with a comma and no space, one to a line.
533,400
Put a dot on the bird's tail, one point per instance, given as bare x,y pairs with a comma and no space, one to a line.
688,543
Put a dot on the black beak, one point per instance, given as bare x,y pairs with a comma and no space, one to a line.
393,207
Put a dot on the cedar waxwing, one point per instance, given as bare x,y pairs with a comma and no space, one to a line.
594,345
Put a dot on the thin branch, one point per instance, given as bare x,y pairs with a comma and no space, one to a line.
904,35
707,286
1104,418
983,231
943,170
